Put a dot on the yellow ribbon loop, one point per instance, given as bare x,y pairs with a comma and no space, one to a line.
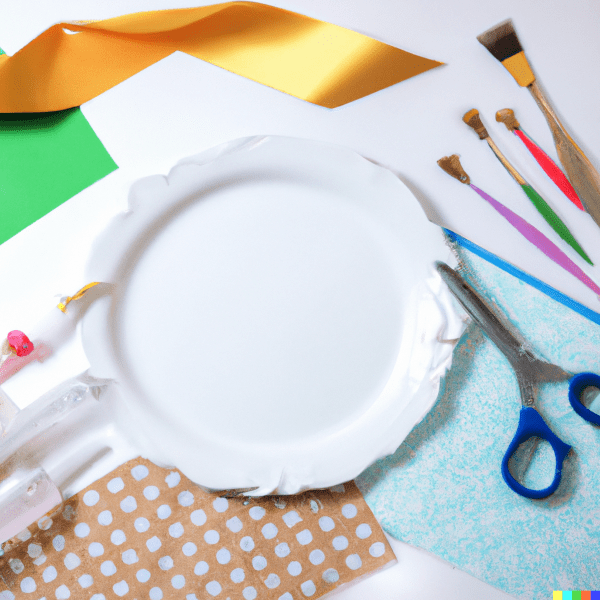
63,305
313,60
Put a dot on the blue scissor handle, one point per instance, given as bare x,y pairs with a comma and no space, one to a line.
576,386
531,425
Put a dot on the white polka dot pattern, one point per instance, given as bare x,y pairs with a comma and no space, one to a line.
185,498
115,485
139,472
151,492
147,532
91,498
117,537
234,524
221,505
24,535
72,561
282,550
35,550
189,549
121,588
257,512
130,557
81,530
153,544
269,531
95,549
291,518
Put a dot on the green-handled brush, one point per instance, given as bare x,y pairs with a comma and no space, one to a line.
504,45
472,119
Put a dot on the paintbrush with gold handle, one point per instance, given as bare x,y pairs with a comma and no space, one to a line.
503,44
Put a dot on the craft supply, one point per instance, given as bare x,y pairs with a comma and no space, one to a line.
17,351
16,344
452,166
53,330
507,116
11,364
19,343
473,120
148,532
530,372
523,276
504,45
64,153
274,427
62,306
42,430
462,510
313,60
312,286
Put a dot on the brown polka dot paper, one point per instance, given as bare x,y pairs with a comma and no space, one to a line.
148,533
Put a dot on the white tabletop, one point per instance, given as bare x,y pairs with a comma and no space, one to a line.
182,106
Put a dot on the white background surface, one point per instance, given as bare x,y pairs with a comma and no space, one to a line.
182,106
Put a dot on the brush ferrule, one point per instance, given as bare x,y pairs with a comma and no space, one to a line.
519,68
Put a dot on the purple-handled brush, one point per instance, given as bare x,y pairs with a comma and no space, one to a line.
452,166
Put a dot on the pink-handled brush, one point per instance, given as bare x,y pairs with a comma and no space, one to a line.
502,42
507,116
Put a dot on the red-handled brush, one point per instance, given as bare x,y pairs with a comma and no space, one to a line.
503,43
507,116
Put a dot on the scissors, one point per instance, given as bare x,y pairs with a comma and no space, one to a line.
530,371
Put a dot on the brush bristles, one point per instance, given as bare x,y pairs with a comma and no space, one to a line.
472,119
501,40
452,166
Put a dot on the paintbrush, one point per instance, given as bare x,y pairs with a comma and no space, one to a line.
473,120
507,116
452,166
503,44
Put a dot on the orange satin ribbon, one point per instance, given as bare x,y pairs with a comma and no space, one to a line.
316,61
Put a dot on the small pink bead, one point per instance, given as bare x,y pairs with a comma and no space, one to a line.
20,343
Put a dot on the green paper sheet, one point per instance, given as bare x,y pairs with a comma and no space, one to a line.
45,159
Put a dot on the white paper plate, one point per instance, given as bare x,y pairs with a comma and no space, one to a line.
276,319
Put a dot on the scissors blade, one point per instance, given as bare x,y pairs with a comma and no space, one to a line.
233,493
511,347
528,368
542,371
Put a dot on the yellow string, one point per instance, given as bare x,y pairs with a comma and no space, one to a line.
63,305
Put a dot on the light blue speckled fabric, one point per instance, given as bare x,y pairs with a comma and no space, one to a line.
443,490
